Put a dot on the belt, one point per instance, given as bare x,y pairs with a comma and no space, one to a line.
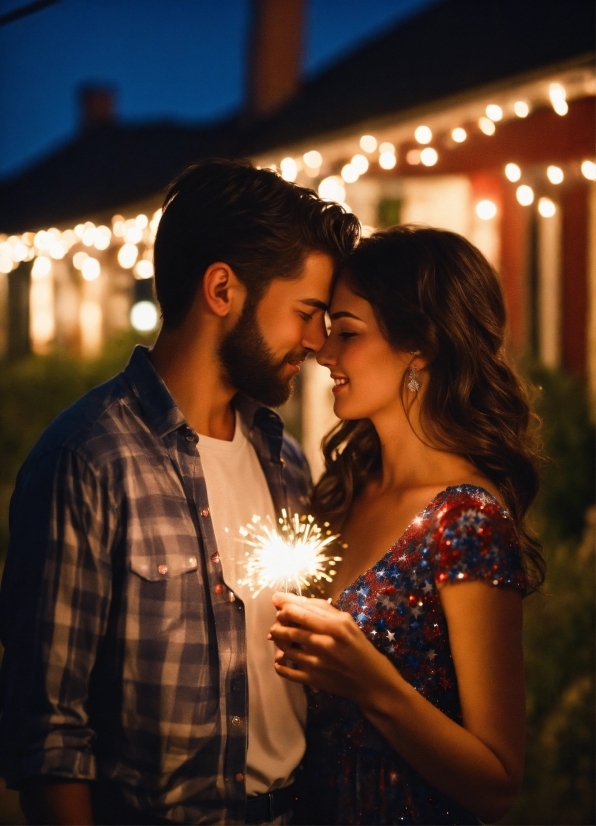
264,808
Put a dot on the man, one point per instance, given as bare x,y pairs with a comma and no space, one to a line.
137,683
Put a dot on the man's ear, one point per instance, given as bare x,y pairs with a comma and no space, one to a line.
222,291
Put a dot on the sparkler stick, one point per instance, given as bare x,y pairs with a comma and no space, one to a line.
288,558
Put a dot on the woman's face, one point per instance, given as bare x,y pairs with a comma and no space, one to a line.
367,371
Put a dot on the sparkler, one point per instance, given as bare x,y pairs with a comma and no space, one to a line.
288,558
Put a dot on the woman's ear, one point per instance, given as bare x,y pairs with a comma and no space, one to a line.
222,291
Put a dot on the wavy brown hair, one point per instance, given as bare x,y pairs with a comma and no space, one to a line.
432,291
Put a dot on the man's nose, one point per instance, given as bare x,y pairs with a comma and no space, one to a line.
316,337
325,355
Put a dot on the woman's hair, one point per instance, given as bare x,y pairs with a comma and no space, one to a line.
435,293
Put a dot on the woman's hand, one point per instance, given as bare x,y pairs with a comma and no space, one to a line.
328,650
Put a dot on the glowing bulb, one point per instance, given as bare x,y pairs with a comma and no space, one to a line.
88,236
512,172
360,164
78,259
524,195
19,252
90,269
558,97
144,317
42,240
555,174
79,230
57,250
423,134
143,269
459,135
133,235
589,170
41,267
429,156
487,126
494,112
141,221
289,169
332,189
127,255
103,236
312,159
118,227
546,207
486,210
521,108
349,173
413,157
387,160
368,143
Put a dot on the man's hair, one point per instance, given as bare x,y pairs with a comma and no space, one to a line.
251,219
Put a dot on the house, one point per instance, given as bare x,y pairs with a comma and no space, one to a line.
474,116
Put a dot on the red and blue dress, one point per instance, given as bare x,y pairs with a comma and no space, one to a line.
351,773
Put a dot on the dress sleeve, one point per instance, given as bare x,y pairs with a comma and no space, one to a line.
475,539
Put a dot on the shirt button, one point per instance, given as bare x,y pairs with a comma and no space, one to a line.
192,560
215,559
239,777
236,721
189,437
231,596
218,588
163,569
205,513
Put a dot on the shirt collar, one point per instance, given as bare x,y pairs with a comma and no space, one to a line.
165,416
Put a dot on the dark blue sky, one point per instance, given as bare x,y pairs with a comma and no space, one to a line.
167,59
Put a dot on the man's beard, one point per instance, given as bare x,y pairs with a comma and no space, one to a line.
250,365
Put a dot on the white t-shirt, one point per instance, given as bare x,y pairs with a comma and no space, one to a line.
237,490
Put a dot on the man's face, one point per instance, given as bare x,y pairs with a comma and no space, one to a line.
263,353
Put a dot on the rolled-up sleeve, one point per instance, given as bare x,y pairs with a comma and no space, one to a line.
54,606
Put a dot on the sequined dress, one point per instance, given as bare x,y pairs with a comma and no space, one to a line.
351,773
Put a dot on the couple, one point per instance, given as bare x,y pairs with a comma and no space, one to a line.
141,683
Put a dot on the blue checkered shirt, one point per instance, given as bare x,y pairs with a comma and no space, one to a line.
125,651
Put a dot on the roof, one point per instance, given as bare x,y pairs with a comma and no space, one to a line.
452,47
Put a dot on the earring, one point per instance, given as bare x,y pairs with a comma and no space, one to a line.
413,383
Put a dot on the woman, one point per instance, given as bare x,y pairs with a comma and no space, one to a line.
417,708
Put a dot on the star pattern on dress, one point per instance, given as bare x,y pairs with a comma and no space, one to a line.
462,535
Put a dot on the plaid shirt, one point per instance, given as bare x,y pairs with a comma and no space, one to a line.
125,650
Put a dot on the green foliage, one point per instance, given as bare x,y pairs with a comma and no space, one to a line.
559,622
33,391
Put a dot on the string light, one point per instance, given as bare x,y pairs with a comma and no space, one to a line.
555,174
494,112
524,195
546,207
423,134
459,134
429,156
512,172
368,143
521,108
487,126
486,210
589,170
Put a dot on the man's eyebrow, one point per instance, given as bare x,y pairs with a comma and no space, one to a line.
343,314
314,302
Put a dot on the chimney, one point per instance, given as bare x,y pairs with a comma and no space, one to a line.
275,57
96,106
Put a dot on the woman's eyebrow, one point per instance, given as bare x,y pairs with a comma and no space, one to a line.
343,314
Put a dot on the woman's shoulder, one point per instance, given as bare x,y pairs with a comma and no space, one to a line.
471,536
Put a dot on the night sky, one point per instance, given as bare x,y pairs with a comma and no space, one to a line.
177,60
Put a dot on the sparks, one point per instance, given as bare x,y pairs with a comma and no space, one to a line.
288,558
